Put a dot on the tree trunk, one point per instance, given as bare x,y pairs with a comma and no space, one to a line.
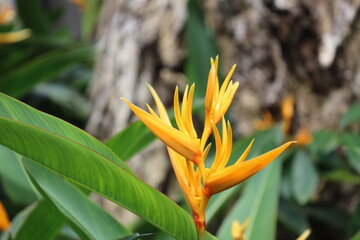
137,43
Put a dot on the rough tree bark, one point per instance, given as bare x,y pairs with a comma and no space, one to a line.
305,48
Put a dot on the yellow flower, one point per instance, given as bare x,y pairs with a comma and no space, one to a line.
13,37
303,136
238,230
188,153
266,122
304,235
4,219
287,113
7,14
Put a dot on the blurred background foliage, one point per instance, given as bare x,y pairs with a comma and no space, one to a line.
313,186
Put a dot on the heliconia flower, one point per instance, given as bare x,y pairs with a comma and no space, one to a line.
188,153
238,230
4,219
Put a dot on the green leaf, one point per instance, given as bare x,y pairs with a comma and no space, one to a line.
258,203
342,176
335,218
356,236
14,180
65,97
324,141
201,46
75,205
286,184
40,220
353,154
304,177
11,56
131,140
218,201
32,15
97,173
350,139
138,236
352,115
14,109
44,67
89,18
354,224
352,149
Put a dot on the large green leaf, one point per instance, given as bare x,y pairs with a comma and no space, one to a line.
13,178
304,177
14,109
75,205
258,203
44,67
40,220
97,173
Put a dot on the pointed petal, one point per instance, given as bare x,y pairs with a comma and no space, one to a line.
245,153
218,146
226,100
178,141
160,106
210,88
177,112
237,173
179,165
227,79
187,114
226,150
217,63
